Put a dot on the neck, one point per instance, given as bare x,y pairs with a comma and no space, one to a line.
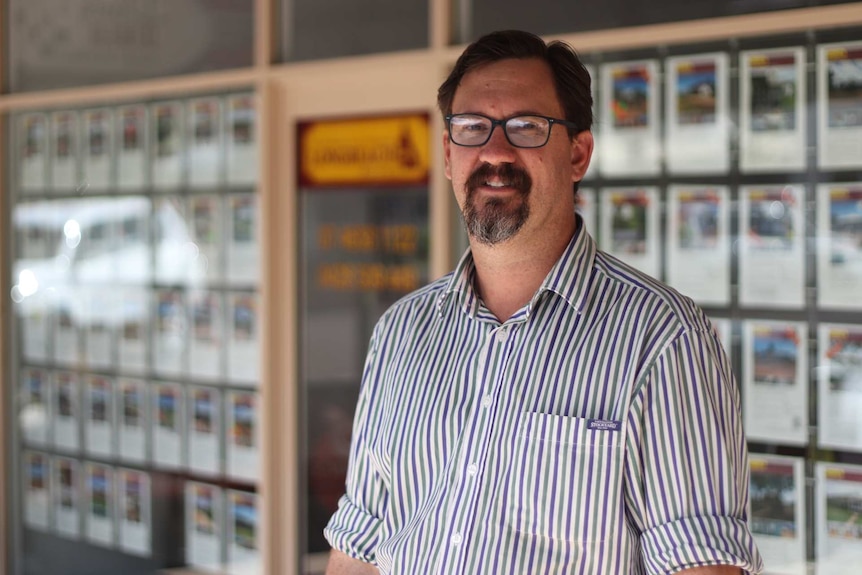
508,274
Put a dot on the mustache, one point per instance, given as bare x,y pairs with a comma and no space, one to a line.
509,174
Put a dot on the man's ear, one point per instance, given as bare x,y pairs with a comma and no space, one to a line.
582,152
447,147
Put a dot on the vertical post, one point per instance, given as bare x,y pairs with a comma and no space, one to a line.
5,317
264,40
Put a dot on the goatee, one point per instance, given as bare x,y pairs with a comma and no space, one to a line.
496,219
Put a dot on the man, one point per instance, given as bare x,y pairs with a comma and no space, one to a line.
544,408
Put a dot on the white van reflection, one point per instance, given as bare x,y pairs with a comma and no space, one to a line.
70,251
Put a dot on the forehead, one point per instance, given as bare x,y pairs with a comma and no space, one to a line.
506,87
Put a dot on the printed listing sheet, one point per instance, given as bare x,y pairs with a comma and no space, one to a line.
775,396
839,389
839,246
630,144
64,152
243,555
697,120
839,519
168,425
777,518
134,508
629,227
772,246
772,110
839,106
132,420
98,147
99,484
66,492
698,243
37,491
33,152
204,525
132,147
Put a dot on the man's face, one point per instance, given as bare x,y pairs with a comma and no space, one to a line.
502,189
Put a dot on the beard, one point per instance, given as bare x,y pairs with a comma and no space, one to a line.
496,220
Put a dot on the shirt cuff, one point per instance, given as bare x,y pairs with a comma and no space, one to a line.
700,541
353,531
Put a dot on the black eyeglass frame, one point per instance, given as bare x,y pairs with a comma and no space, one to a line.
502,123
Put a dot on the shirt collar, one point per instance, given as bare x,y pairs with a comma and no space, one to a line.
569,277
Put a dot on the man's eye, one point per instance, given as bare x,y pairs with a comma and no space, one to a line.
474,127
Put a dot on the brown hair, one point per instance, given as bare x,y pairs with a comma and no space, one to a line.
571,79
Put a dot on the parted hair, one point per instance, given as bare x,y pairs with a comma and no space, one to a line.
571,78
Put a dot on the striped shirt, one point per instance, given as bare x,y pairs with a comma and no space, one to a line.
596,432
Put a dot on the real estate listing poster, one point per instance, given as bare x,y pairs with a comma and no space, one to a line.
34,419
242,459
772,110
839,245
66,492
243,338
206,143
134,331
206,226
170,333
34,328
132,147
33,152
772,246
777,517
698,243
98,145
697,117
629,227
132,420
166,145
204,525
585,205
630,144
37,490
67,411
64,152
775,395
207,342
839,518
168,424
100,519
204,417
839,396
242,162
99,422
99,338
243,555
839,105
243,246
66,338
134,508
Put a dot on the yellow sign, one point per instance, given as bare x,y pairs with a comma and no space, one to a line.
368,151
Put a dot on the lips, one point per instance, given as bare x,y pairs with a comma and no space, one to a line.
499,178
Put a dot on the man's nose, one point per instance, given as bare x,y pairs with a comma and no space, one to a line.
497,150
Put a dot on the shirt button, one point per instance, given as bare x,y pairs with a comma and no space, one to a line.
502,335
486,401
472,469
456,539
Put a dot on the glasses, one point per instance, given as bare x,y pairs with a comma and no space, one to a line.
521,131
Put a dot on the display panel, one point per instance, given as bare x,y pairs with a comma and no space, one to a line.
777,502
630,227
839,527
839,105
133,351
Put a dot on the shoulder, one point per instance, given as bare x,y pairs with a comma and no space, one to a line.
416,306
670,313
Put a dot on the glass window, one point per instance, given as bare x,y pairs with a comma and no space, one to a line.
552,17
330,28
66,43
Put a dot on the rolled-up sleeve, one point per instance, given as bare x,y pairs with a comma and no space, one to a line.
687,461
354,529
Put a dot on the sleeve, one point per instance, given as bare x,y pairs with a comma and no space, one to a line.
355,526
687,461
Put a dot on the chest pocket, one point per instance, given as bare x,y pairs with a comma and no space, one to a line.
565,480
